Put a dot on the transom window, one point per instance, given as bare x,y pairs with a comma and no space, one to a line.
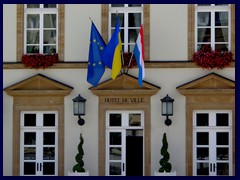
131,18
41,28
213,26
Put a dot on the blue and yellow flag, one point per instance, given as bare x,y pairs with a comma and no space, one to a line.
96,67
112,53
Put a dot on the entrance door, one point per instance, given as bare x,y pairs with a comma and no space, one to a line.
124,143
212,154
38,143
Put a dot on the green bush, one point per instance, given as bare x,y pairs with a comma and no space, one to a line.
165,165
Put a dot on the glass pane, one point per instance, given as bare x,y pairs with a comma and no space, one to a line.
202,154
49,37
202,169
115,153
48,119
33,5
221,18
202,119
222,138
222,119
113,19
117,5
29,153
29,119
223,169
49,49
222,47
115,168
115,138
33,21
221,35
29,138
50,6
29,168
134,20
199,46
32,49
222,154
48,138
202,138
50,20
134,5
132,35
204,19
32,37
48,153
204,35
115,120
134,132
48,168
134,119
130,47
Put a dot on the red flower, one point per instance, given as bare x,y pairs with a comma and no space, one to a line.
37,61
127,57
209,59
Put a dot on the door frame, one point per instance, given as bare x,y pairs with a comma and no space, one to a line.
39,130
212,129
123,129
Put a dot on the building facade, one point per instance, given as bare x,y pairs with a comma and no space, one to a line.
124,125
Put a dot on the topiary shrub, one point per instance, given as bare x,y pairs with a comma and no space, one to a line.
165,165
79,157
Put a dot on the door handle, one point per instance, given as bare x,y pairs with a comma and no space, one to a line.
40,166
210,167
37,166
123,167
214,167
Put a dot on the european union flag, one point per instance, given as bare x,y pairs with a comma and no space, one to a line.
96,67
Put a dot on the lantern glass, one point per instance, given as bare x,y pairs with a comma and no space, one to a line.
78,108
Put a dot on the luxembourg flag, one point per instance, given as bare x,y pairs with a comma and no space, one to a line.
139,55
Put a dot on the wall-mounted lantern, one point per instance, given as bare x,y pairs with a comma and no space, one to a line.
79,108
167,109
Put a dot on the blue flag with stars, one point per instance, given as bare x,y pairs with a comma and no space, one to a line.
96,68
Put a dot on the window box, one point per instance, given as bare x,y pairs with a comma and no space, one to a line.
38,61
127,57
209,59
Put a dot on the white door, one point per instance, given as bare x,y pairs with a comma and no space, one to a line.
38,143
212,142
124,143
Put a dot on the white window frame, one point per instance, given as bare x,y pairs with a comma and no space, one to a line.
212,129
39,129
212,9
125,10
41,11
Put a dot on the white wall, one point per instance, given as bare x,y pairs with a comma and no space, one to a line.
168,32
165,78
9,32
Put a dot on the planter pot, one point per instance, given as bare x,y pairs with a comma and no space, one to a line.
156,173
70,173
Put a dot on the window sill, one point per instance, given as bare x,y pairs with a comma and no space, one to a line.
83,65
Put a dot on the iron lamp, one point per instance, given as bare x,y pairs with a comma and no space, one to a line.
167,109
79,108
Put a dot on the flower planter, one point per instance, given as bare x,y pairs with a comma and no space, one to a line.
209,59
70,173
173,173
38,61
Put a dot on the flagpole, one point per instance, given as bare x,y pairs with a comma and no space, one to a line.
129,62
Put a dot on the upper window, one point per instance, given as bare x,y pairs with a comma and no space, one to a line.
131,18
40,28
213,26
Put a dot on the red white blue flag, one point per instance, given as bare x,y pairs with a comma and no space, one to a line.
139,55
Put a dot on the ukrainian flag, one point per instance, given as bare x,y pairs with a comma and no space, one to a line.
112,53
